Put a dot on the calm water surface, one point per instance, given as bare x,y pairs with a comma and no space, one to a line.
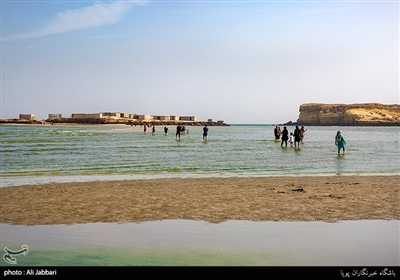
36,154
63,153
193,243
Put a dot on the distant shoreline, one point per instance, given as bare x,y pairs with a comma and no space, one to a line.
108,122
172,123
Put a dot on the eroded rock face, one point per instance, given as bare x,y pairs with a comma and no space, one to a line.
349,114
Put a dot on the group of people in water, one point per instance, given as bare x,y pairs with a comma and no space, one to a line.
294,138
297,137
180,129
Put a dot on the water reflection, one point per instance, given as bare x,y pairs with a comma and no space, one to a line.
181,242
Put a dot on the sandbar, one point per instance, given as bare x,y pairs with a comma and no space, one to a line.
213,200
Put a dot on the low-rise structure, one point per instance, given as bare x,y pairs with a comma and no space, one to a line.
115,118
161,118
187,118
55,116
119,116
30,117
144,117
116,115
86,116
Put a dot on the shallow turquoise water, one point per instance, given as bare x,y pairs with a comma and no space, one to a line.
31,154
196,243
93,152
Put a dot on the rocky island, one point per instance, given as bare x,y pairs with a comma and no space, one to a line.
358,114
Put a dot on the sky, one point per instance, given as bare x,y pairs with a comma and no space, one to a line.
243,62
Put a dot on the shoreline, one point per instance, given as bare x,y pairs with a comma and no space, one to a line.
43,180
280,198
99,122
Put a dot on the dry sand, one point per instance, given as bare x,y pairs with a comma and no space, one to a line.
327,198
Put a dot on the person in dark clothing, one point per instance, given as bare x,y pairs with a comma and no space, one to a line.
297,136
178,132
205,133
285,136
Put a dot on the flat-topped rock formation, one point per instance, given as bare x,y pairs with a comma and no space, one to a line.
363,114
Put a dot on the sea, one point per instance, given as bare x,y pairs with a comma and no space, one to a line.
34,154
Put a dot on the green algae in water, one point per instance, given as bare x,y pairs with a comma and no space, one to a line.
150,257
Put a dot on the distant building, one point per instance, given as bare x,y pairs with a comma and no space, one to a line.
86,116
55,116
115,115
118,115
187,118
144,117
161,118
110,114
30,117
125,115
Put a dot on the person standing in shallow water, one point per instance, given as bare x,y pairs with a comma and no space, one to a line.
277,133
302,133
205,133
340,142
297,137
178,132
291,139
285,136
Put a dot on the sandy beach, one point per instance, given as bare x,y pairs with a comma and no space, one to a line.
212,200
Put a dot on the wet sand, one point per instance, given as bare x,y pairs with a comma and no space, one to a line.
329,199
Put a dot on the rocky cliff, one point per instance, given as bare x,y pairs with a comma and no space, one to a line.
370,114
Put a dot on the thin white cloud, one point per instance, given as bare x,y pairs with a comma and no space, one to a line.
97,15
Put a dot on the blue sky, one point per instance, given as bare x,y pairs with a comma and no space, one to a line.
237,61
